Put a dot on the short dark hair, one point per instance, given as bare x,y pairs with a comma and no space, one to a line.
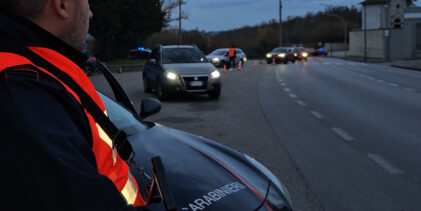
26,8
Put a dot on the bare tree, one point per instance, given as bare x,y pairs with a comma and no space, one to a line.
168,7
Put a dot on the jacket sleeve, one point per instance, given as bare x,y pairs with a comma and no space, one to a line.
47,161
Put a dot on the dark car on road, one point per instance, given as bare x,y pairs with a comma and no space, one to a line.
200,173
180,69
300,53
319,52
281,54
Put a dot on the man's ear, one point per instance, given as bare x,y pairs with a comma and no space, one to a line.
63,8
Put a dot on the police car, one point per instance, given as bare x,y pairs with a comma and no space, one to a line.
200,173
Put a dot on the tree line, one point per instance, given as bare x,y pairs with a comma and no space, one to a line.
257,40
122,25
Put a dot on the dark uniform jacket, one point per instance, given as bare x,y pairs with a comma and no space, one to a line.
45,138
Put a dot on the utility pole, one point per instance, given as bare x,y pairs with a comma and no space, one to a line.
179,22
365,33
281,40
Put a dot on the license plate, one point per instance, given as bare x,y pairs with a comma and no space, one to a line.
196,83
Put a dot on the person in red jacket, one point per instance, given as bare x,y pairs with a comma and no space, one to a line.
231,55
57,154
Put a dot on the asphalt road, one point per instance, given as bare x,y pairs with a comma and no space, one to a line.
340,135
352,129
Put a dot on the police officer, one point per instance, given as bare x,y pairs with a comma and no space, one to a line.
232,55
55,154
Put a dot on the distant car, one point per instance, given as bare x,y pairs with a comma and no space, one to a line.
281,54
89,65
219,57
180,69
319,52
139,52
301,53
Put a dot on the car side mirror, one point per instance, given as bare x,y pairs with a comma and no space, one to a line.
149,107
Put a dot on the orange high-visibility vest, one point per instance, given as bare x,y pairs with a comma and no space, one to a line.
109,163
231,52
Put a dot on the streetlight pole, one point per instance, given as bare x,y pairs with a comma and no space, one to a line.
365,33
281,41
345,28
179,22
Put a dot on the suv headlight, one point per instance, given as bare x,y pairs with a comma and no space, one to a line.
305,54
268,55
282,55
171,76
215,74
216,59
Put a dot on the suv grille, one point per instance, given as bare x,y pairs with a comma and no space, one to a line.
192,82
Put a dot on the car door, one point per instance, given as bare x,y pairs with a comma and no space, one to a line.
239,55
153,67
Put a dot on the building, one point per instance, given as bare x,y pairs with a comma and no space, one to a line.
391,29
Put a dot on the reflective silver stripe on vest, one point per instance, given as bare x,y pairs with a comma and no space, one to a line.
130,191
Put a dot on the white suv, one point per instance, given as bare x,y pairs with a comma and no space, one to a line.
219,57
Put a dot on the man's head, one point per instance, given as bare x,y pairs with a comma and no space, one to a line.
66,19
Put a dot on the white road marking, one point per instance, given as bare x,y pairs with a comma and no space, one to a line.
393,84
301,103
293,95
278,76
381,161
410,89
287,90
371,78
327,63
338,63
282,84
381,81
342,133
316,114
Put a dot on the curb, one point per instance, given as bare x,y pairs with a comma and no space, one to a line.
406,67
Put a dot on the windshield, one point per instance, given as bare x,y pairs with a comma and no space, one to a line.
218,52
123,119
280,50
182,55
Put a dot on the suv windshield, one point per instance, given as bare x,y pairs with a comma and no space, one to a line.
299,50
218,52
280,50
182,55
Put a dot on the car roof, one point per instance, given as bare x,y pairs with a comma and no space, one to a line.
226,49
177,46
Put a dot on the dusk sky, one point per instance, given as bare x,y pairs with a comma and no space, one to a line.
216,15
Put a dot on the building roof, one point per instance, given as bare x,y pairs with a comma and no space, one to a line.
370,2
